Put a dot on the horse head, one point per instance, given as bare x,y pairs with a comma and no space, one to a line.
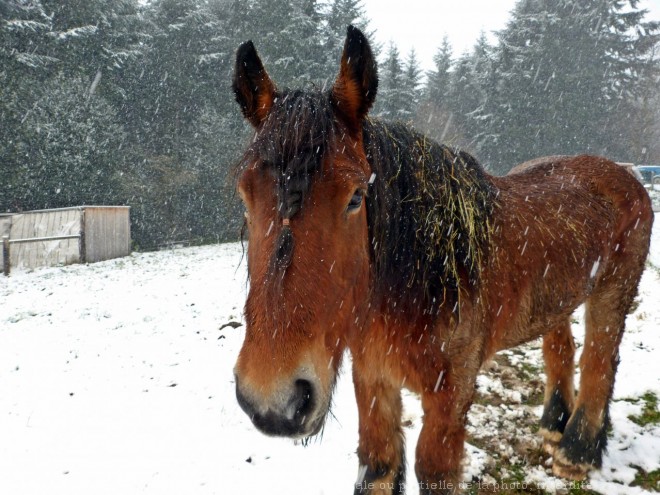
303,182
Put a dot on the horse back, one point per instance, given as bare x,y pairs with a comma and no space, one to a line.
561,226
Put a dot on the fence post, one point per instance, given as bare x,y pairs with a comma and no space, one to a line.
5,255
82,242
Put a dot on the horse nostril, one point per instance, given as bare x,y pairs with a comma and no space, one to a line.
304,399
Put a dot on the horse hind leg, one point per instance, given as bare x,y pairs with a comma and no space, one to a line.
585,435
559,355
584,439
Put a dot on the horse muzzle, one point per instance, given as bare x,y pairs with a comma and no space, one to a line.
294,412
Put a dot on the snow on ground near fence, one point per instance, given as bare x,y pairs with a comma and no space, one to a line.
116,379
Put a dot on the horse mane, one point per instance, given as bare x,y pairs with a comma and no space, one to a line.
429,218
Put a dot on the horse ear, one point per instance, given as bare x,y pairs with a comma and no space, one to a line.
355,89
254,90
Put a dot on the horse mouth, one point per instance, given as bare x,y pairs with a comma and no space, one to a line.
297,428
300,416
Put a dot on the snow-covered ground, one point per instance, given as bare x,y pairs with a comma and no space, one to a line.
115,378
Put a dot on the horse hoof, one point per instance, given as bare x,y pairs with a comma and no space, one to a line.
550,441
550,447
563,468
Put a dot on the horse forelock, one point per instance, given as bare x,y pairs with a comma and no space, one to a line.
291,144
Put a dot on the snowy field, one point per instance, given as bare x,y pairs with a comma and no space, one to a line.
116,378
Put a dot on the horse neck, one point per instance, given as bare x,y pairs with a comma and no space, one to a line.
429,217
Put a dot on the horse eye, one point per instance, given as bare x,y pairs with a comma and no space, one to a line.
356,200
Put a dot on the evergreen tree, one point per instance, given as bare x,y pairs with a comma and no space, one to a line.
24,38
339,14
292,43
475,98
23,65
93,39
457,95
438,79
411,87
69,150
178,78
644,120
51,50
172,87
434,116
569,72
391,103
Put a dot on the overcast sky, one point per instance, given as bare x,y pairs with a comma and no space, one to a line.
422,23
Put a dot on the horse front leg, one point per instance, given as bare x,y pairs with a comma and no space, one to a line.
381,445
441,442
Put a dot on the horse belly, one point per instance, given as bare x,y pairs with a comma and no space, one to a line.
549,268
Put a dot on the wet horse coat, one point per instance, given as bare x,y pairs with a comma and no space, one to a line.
367,236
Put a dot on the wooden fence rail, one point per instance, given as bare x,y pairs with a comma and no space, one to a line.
7,242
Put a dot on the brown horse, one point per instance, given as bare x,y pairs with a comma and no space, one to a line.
368,236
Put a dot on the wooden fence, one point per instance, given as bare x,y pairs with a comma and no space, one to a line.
63,236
